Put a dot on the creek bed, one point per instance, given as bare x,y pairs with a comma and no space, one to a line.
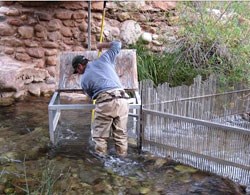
29,164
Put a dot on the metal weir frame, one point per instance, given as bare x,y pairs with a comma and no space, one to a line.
55,108
126,69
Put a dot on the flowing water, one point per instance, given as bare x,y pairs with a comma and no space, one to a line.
29,164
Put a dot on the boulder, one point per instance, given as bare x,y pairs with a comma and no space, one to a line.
147,37
8,71
130,31
18,78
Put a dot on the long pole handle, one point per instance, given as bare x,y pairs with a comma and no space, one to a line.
99,52
102,25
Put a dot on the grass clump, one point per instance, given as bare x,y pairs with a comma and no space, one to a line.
49,177
163,67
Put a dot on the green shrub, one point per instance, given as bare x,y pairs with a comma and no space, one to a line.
213,39
162,67
216,40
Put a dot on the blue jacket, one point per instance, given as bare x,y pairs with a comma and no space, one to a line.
100,74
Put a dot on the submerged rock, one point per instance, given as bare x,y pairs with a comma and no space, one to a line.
185,169
6,101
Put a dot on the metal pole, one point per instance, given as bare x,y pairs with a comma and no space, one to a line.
89,25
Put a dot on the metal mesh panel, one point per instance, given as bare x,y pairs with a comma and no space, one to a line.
74,128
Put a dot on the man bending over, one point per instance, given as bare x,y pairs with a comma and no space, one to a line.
101,82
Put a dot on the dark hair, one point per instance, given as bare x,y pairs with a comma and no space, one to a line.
80,59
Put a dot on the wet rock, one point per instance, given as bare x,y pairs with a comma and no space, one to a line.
38,139
102,187
6,101
144,190
4,160
159,162
2,188
22,183
215,185
89,177
117,181
185,169
9,157
133,191
185,177
4,177
9,190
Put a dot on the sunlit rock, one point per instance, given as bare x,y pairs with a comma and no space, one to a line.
6,101
187,169
130,31
147,37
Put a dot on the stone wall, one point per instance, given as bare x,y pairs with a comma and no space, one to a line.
34,33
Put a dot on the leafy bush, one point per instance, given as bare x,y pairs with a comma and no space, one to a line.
216,39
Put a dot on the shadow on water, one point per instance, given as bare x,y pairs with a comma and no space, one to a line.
24,134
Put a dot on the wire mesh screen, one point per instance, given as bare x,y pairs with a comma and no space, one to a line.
74,128
199,127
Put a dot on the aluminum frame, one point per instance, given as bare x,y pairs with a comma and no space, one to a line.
55,108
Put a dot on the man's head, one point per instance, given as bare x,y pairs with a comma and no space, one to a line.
79,64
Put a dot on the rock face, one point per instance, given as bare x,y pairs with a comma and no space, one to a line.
17,77
33,34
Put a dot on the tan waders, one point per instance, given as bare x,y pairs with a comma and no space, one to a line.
111,116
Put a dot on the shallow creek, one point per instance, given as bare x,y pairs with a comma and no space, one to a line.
30,165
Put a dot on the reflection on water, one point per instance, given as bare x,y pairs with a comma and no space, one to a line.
23,117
